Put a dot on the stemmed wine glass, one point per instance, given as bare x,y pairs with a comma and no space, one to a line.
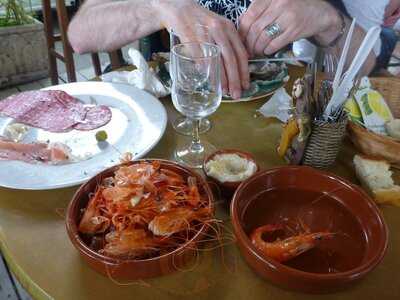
182,124
196,92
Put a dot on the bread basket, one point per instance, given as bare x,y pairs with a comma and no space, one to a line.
374,144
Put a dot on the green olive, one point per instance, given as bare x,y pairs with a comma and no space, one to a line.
101,136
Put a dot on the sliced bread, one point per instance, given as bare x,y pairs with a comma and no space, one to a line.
376,177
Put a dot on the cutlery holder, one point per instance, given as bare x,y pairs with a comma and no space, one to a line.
324,143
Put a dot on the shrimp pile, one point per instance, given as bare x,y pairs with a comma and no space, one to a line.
143,211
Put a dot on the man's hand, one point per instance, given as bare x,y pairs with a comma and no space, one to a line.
182,16
392,13
296,19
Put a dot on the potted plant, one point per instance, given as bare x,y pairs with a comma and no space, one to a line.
23,52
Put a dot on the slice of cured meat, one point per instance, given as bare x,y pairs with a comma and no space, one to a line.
32,153
94,118
54,111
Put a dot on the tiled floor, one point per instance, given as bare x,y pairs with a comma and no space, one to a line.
10,288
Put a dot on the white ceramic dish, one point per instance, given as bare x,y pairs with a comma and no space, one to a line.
138,123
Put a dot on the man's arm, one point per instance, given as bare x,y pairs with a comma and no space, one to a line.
298,19
105,25
357,38
392,13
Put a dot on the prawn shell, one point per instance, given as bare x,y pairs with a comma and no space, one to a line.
133,269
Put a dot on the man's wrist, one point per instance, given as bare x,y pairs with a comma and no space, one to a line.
336,28
156,9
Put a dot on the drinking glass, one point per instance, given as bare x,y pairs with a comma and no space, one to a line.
182,124
196,92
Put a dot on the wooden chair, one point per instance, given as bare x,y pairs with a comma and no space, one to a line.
67,56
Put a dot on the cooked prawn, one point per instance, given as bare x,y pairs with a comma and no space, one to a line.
130,243
286,249
176,220
193,194
143,209
92,220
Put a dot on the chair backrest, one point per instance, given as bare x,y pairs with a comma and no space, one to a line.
67,53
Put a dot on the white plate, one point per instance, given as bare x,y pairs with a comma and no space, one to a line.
138,123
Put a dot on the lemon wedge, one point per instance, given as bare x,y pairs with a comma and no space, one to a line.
353,110
377,104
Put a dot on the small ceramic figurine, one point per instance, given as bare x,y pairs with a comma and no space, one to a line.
298,129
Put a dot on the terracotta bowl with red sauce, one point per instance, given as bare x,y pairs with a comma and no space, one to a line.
132,269
302,200
228,188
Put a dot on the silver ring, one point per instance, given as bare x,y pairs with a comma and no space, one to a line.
273,30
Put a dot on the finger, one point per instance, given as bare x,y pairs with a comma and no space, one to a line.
224,80
242,57
264,40
202,33
255,10
230,63
281,41
181,34
189,34
257,29
224,77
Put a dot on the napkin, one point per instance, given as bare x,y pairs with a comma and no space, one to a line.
279,106
143,77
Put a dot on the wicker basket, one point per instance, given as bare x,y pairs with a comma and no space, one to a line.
324,143
374,144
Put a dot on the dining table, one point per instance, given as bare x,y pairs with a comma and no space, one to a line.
35,244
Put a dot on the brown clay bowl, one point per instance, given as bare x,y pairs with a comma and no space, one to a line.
131,269
228,188
324,202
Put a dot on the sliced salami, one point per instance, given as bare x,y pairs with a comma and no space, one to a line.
95,118
54,111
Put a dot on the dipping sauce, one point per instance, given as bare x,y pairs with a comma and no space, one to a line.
230,167
16,132
301,210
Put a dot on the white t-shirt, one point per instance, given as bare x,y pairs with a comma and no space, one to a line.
368,13
397,25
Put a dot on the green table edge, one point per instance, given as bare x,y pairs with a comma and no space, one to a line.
27,283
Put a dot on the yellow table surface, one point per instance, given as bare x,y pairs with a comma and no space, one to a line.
35,244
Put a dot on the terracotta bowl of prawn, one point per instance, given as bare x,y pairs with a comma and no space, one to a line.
140,219
307,230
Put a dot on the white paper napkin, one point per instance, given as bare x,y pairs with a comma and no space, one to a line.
143,77
278,106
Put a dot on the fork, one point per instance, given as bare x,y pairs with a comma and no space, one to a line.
330,65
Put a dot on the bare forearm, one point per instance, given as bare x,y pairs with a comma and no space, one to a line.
103,25
357,38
